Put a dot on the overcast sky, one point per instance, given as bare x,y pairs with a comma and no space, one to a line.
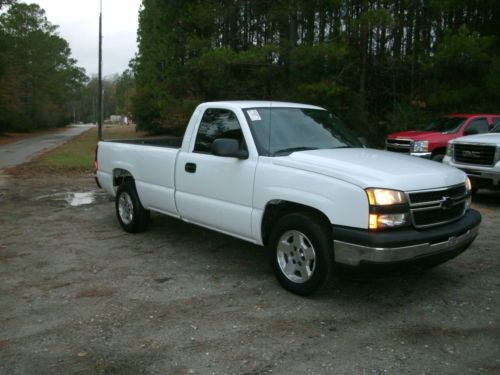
78,22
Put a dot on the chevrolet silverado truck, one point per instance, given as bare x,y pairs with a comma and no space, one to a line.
479,157
431,142
292,178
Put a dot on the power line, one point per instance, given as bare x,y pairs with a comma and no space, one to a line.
100,112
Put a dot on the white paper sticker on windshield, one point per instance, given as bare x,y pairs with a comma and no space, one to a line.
254,115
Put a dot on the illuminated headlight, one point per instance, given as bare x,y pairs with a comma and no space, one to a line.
385,197
388,209
468,188
389,220
420,146
468,185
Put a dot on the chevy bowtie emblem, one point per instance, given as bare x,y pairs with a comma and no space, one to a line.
446,203
471,154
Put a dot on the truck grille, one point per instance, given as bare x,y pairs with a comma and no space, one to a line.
437,195
474,154
398,145
435,207
434,216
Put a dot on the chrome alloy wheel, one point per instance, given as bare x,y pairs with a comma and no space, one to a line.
125,208
296,256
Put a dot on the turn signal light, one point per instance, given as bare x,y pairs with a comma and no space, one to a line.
388,220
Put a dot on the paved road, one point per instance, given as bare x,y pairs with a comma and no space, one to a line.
16,153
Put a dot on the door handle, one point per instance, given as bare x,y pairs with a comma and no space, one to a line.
190,167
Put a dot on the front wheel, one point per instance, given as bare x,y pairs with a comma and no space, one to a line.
301,250
438,157
131,215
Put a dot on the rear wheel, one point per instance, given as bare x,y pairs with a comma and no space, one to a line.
131,215
301,250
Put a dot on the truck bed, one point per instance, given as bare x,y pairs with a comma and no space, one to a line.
169,142
151,161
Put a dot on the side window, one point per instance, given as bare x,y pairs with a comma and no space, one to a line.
495,127
479,124
217,123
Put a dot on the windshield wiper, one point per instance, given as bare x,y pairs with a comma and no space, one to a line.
292,149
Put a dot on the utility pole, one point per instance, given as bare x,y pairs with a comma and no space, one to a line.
100,111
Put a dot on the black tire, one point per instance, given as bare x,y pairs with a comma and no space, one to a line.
316,235
438,157
131,215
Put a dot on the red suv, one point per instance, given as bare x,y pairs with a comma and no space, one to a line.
431,142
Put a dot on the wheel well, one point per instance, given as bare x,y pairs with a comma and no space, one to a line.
276,209
439,151
121,175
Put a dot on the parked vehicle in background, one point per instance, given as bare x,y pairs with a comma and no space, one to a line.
431,142
479,157
291,177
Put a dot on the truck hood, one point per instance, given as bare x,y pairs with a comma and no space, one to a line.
415,135
486,138
374,168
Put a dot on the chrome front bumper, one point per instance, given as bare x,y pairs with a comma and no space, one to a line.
354,246
480,174
353,255
425,155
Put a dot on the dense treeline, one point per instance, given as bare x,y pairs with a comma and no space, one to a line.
114,95
380,64
39,80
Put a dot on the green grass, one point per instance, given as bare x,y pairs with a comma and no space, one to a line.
77,155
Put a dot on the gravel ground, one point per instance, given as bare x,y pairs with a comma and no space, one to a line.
79,295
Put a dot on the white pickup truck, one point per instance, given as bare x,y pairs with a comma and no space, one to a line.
478,156
291,177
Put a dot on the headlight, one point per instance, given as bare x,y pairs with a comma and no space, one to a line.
388,208
468,188
389,220
468,185
384,197
449,149
420,146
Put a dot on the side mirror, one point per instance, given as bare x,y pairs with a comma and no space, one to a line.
471,131
228,147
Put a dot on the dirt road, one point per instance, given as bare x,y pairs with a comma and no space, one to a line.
78,295
12,154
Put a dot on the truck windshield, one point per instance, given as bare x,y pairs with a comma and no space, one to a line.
281,131
445,124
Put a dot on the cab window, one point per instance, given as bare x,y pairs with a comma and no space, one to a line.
480,125
217,123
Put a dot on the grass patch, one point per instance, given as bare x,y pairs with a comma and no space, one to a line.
77,155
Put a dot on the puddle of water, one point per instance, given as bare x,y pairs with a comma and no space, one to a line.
79,199
74,199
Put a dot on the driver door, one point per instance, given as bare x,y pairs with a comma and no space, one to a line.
216,191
